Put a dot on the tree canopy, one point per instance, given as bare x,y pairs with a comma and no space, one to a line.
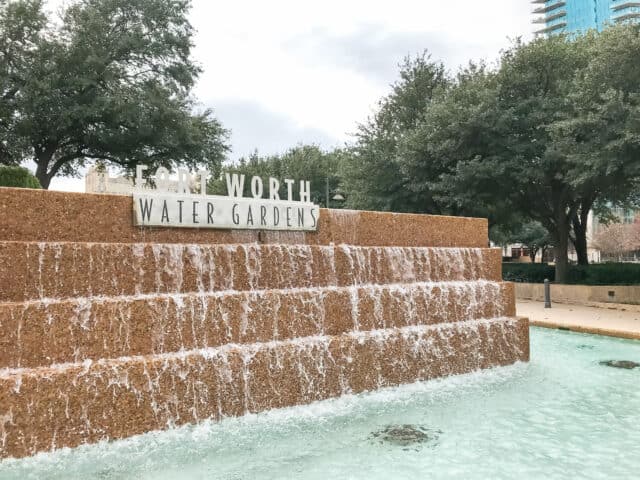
530,234
371,171
111,81
546,135
308,162
501,152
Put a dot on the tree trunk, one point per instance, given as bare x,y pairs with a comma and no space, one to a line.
580,244
562,247
580,240
42,175
579,223
43,158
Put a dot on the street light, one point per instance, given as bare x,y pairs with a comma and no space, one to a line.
338,197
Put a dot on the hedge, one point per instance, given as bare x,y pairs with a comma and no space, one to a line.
527,272
605,274
596,274
17,177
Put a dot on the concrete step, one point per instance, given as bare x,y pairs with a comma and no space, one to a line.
35,271
67,405
44,333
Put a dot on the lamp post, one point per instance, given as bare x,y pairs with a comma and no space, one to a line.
327,192
338,197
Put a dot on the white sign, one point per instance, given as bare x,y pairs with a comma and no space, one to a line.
161,208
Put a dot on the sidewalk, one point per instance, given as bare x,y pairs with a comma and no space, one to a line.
582,318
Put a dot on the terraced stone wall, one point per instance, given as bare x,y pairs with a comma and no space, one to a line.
108,330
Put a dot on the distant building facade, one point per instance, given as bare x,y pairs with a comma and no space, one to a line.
575,16
98,180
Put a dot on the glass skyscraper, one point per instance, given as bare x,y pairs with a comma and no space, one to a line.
574,16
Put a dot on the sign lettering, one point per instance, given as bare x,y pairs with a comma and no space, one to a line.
179,207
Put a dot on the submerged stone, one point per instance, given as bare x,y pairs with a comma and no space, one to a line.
406,435
628,364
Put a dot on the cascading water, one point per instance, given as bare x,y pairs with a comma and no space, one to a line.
71,270
107,340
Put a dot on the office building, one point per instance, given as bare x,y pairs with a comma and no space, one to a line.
575,16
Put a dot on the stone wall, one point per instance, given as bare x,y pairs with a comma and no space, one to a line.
46,216
581,294
107,330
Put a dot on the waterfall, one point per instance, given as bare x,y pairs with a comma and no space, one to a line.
108,340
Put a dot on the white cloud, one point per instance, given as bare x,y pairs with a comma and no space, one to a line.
268,52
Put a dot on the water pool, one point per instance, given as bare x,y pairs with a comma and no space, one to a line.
564,415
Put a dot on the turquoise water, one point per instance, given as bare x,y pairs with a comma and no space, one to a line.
561,416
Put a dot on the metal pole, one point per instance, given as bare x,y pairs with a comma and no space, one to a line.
547,293
327,192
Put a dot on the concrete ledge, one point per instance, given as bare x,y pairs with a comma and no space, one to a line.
585,329
48,216
581,294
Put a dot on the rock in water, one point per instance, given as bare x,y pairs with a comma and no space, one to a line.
628,364
405,435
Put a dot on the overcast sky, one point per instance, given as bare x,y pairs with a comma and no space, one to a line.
278,73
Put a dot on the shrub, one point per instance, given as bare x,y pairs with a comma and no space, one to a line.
17,177
596,274
527,272
605,274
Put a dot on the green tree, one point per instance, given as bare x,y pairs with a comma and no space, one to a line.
599,133
13,176
564,119
460,124
535,237
371,173
304,162
492,132
110,81
547,135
